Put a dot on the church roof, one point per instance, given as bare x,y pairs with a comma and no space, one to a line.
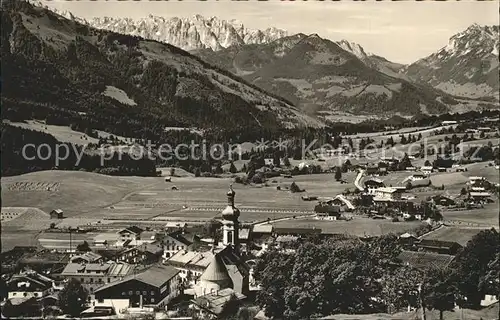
216,271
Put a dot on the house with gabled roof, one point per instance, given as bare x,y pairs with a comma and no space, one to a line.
145,254
154,287
130,233
174,242
29,284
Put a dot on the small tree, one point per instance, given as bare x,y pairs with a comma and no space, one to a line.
408,185
276,159
295,188
172,171
338,174
83,247
52,225
72,298
232,168
286,162
463,191
197,172
427,163
218,168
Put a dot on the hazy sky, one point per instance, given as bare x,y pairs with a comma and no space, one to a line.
399,31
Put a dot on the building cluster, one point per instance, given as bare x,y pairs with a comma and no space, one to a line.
149,272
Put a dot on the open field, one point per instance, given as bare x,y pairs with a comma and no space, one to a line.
456,234
78,192
204,198
61,133
484,216
358,226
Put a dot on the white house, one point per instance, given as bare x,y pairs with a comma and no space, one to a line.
29,284
418,176
448,122
427,169
387,194
174,242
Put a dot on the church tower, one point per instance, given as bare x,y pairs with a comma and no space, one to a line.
230,222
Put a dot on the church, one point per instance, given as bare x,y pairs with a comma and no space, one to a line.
220,268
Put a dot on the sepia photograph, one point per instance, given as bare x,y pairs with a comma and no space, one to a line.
250,160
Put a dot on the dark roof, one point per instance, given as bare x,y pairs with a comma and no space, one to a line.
216,271
132,229
425,259
146,247
296,230
155,276
437,244
177,235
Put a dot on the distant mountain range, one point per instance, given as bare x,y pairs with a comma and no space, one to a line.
68,73
467,66
196,32
321,77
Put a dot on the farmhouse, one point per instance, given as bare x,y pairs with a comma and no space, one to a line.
427,169
174,242
155,287
438,246
262,229
343,202
146,253
328,212
387,194
173,226
131,233
87,257
418,176
448,122
295,231
475,179
29,284
93,275
484,129
407,239
479,197
389,160
443,200
372,169
56,214
478,189
371,184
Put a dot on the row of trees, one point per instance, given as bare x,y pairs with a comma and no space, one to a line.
351,276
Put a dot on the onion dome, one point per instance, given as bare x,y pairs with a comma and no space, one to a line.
230,212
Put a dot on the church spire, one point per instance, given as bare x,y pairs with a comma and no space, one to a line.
230,196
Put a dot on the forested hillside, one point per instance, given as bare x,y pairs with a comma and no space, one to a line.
58,70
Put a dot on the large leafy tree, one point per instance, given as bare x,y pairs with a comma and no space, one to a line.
73,297
472,265
439,290
320,279
400,289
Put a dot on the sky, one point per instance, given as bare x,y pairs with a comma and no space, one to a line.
402,31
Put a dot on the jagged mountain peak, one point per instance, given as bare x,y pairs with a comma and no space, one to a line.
466,66
192,33
353,48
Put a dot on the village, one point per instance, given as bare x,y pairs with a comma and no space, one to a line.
182,246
